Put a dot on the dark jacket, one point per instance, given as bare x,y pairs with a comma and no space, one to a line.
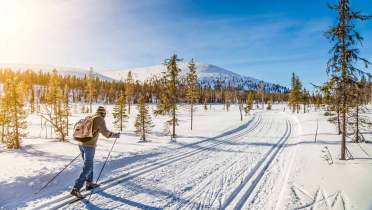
99,126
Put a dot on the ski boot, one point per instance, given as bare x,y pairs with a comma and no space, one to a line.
91,185
76,192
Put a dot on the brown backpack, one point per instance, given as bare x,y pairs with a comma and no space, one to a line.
83,129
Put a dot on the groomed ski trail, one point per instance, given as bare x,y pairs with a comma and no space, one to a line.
216,173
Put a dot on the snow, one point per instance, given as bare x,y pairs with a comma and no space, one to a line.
268,161
344,184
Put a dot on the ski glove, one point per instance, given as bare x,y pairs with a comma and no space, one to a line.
115,135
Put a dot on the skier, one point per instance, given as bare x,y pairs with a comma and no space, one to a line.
88,149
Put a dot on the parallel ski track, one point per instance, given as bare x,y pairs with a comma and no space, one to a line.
252,180
212,192
140,169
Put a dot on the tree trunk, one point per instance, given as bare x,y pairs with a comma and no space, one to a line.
357,125
174,122
129,104
343,143
192,111
143,129
338,121
121,120
241,113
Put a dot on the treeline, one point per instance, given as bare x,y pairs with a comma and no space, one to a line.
51,96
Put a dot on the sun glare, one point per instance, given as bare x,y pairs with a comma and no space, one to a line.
13,16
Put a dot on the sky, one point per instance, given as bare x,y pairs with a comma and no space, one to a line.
264,39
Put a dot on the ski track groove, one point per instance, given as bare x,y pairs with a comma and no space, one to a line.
65,200
270,155
217,174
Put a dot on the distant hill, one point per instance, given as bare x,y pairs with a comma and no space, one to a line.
209,75
78,72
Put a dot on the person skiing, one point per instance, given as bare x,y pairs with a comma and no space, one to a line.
87,149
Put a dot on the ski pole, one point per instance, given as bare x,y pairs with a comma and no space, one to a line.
104,164
57,174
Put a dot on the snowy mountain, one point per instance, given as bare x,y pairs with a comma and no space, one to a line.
78,72
209,75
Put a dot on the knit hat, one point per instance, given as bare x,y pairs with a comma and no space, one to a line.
101,110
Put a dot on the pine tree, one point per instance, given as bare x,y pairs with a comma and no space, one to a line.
228,98
295,93
90,86
14,122
143,122
261,94
248,103
192,89
269,104
305,98
129,89
358,118
120,112
344,55
66,107
55,112
32,99
4,120
240,104
169,97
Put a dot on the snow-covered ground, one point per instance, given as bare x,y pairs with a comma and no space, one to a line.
267,161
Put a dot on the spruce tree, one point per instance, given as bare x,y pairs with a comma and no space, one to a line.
192,89
169,97
120,112
143,122
295,93
344,55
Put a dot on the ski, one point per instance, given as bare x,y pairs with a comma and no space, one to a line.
90,193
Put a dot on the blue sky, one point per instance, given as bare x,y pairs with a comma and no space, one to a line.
263,39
